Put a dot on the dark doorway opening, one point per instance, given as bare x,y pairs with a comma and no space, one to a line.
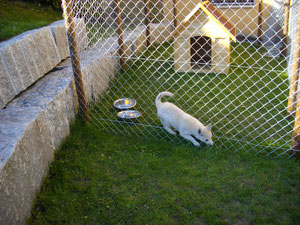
200,52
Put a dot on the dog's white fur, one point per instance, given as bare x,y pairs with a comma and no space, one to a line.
188,126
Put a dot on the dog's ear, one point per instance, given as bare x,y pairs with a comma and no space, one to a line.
209,126
199,131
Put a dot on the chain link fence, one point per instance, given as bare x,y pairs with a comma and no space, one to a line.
232,63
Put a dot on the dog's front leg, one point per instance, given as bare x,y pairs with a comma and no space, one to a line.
190,138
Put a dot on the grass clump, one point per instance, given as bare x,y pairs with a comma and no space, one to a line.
18,16
100,178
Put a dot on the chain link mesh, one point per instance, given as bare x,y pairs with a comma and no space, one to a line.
237,79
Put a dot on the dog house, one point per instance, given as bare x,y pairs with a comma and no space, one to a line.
202,41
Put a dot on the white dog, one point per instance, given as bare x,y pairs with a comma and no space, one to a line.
188,126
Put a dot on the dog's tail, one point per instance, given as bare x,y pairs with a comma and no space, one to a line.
160,95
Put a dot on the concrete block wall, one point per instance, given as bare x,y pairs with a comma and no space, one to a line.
35,121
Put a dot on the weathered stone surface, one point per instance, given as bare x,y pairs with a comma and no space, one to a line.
2,101
45,48
6,87
21,64
30,60
101,75
31,128
52,48
10,65
60,35
81,34
139,40
35,56
29,153
128,48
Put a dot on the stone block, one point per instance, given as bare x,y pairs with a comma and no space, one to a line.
71,102
128,49
57,119
36,57
21,63
2,101
86,77
139,40
12,72
53,50
81,34
100,77
30,60
24,162
31,128
46,48
6,86
59,33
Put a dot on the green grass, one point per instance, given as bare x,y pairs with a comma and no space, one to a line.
101,178
17,17
247,106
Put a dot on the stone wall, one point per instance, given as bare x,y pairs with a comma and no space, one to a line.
38,101
27,57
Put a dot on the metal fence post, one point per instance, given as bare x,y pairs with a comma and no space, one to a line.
69,22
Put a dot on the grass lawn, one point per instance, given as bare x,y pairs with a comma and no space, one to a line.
101,178
17,17
247,107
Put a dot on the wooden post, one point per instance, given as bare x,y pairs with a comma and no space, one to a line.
120,34
147,23
259,31
286,17
286,27
294,94
175,12
295,72
69,22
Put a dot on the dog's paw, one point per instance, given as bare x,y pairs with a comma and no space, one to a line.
196,144
172,132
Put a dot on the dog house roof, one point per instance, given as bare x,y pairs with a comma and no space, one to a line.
214,14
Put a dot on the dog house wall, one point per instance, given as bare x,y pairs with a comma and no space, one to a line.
220,41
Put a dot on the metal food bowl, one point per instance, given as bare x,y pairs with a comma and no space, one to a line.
124,103
129,114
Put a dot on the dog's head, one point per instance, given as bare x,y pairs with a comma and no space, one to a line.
205,134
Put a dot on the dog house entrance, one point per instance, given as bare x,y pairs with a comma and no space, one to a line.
200,52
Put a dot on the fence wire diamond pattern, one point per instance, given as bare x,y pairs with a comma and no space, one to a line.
229,63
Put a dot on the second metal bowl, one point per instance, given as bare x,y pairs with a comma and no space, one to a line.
129,114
